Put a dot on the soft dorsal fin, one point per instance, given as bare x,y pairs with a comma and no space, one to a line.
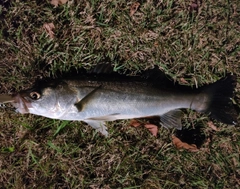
172,119
157,77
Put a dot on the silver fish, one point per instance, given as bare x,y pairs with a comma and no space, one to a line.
97,100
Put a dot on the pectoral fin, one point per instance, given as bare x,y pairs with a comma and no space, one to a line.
80,105
98,125
172,119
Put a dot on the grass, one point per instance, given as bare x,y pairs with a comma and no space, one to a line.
200,44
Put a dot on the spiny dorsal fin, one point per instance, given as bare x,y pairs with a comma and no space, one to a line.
153,75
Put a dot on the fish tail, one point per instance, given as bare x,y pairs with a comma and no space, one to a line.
220,106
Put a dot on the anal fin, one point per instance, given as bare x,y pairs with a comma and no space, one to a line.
172,119
98,125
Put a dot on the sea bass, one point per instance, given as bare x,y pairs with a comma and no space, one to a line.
96,100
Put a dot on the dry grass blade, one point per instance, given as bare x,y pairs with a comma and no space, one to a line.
49,27
135,123
134,7
212,126
58,2
152,128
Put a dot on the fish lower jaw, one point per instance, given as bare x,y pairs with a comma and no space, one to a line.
22,110
21,105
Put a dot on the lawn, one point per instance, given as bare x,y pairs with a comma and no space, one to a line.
193,42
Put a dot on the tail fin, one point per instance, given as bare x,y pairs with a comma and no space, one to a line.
220,106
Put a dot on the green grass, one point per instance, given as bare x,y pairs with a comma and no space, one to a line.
199,46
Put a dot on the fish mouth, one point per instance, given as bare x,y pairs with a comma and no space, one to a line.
21,104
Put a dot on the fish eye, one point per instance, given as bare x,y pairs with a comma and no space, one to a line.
35,95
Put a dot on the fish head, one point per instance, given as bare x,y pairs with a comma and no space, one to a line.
49,101
34,100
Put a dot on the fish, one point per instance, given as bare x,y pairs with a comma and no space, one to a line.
102,95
